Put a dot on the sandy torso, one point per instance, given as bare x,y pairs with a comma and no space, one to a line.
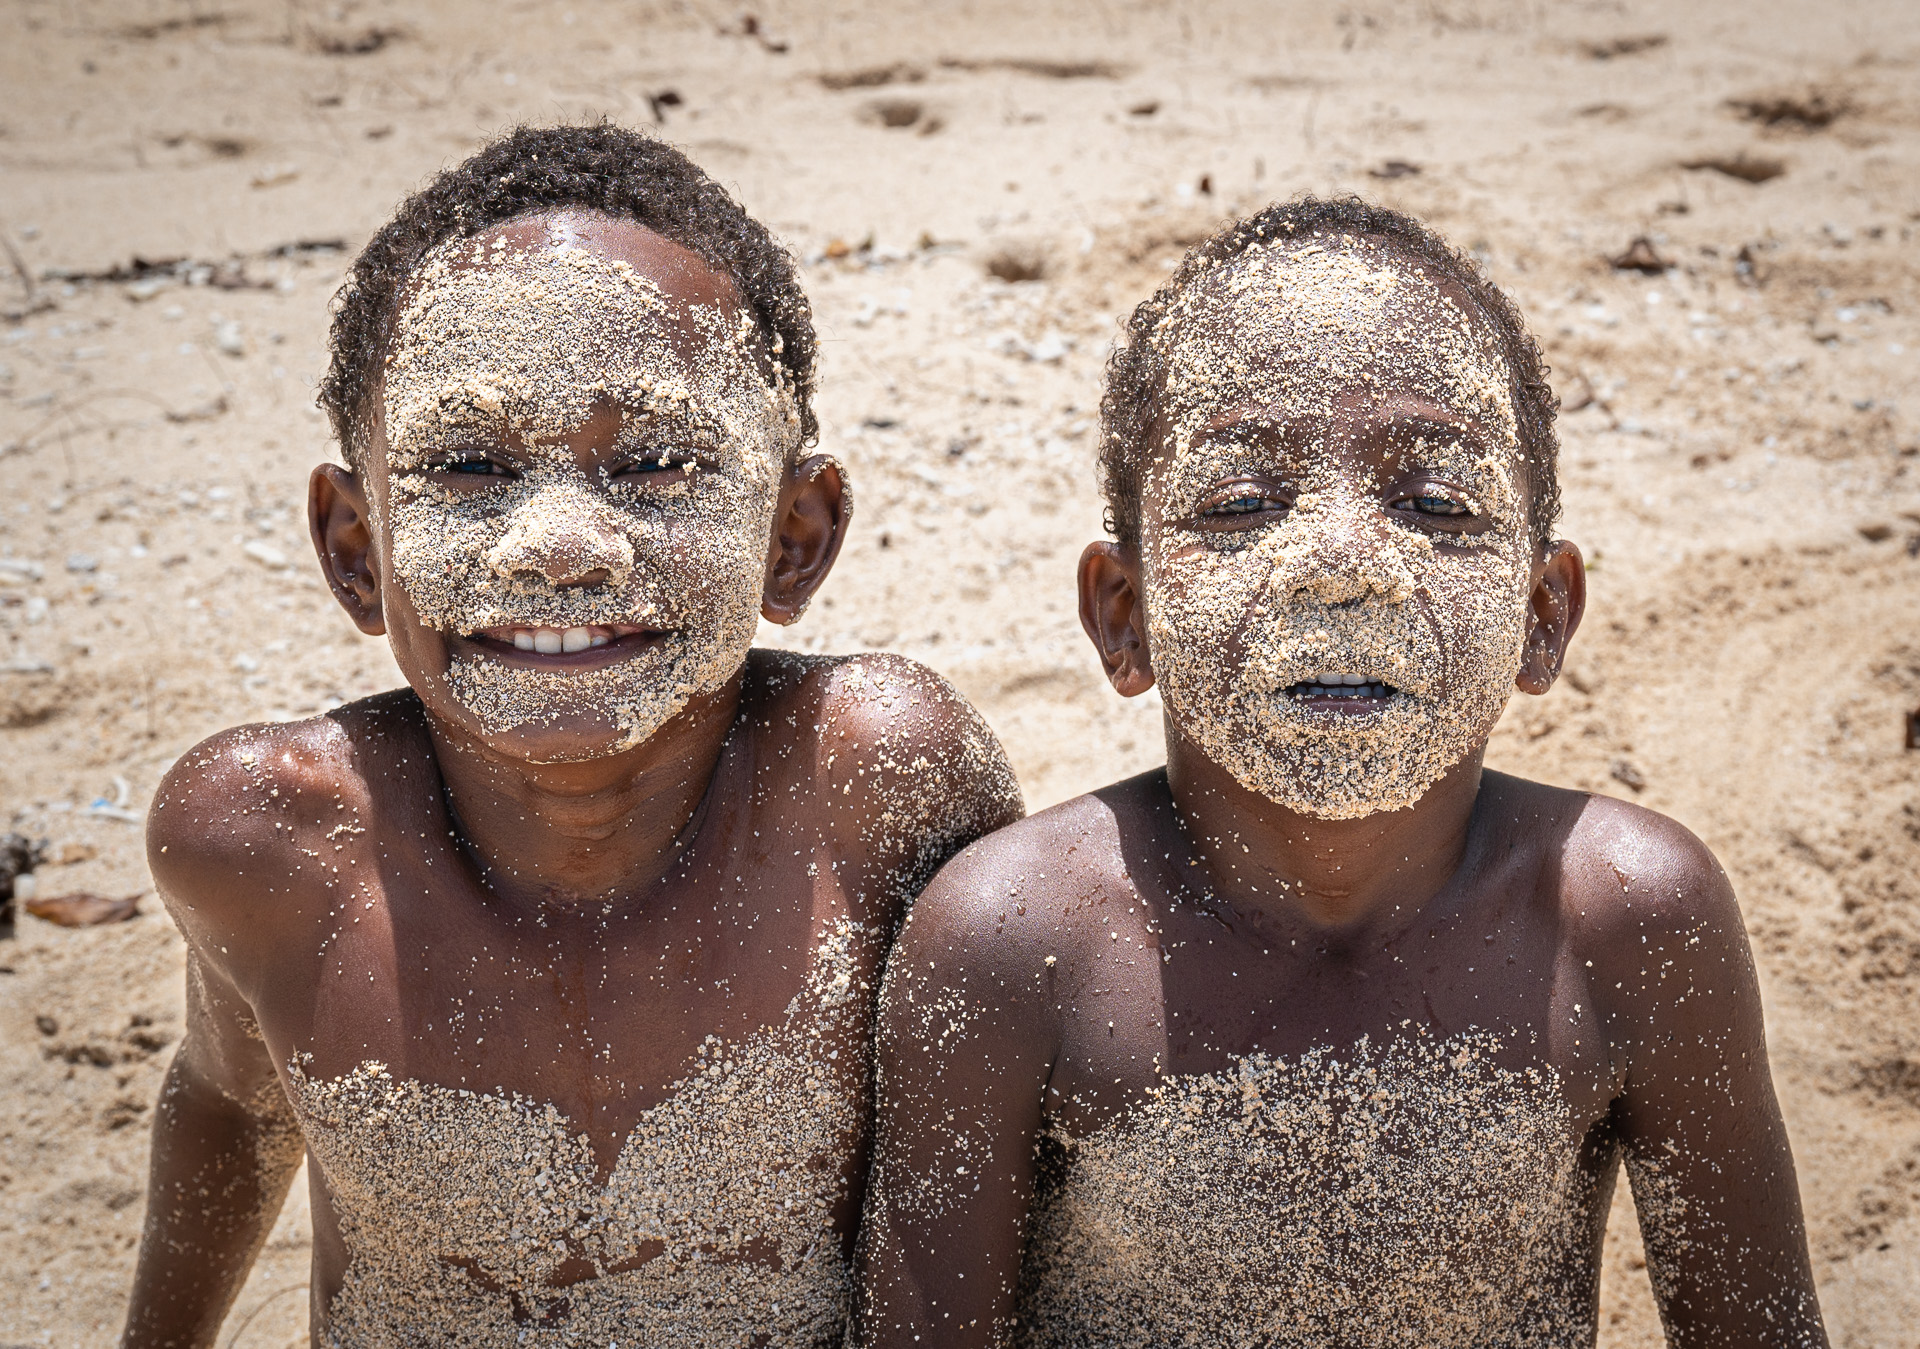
1415,1194
715,1226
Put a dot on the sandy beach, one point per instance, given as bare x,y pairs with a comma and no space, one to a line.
1709,213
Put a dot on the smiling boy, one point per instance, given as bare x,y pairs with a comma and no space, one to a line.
558,965
1323,1035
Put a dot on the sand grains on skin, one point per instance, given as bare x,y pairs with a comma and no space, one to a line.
714,1228
1286,1202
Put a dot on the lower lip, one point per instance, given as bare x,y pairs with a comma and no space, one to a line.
616,649
1345,705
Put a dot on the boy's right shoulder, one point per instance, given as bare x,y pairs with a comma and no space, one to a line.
231,804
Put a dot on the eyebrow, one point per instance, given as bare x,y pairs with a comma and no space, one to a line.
1424,424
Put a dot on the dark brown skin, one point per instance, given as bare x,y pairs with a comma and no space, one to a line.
1595,938
594,921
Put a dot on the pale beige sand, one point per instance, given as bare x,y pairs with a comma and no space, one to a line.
1749,653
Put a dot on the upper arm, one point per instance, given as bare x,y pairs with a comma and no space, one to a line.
964,1053
218,846
1707,1151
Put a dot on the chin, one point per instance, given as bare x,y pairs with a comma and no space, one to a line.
561,740
562,745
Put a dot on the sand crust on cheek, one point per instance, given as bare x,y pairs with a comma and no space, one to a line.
714,1228
1412,1194
1236,618
520,351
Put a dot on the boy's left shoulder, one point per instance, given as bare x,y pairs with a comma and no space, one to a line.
891,740
874,698
1634,884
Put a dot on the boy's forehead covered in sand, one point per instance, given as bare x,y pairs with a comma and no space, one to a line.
1296,348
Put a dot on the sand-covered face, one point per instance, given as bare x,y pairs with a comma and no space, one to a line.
1335,542
583,454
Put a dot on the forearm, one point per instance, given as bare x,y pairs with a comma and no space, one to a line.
1726,1249
219,1174
948,1283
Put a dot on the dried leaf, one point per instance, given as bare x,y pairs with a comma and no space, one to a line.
83,909
1640,256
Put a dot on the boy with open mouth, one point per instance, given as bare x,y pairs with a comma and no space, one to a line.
1322,1035
559,964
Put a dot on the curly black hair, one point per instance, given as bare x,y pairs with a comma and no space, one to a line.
599,167
1136,372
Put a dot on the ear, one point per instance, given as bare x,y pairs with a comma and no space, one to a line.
808,526
339,522
1111,613
1553,614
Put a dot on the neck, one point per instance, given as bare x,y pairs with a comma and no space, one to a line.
1282,870
559,836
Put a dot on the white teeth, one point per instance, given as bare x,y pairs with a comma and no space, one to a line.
1331,684
553,641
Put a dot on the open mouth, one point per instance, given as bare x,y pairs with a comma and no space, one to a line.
1343,692
585,646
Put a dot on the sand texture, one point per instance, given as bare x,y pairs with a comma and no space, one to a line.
978,192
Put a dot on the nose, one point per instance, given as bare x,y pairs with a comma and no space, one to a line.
1340,554
566,538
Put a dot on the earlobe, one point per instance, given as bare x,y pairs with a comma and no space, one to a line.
340,525
1558,601
809,524
1114,618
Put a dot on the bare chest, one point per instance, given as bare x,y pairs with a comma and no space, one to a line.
1173,998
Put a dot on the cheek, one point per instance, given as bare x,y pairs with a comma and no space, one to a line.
430,527
714,543
1479,602
1199,602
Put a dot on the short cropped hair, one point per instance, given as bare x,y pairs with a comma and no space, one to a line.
603,168
1136,372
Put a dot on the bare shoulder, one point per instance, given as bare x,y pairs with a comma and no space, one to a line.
1025,892
897,752
1648,910
1627,868
232,815
875,698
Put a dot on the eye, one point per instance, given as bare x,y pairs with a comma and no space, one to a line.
1431,503
1241,506
656,460
1243,501
469,463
